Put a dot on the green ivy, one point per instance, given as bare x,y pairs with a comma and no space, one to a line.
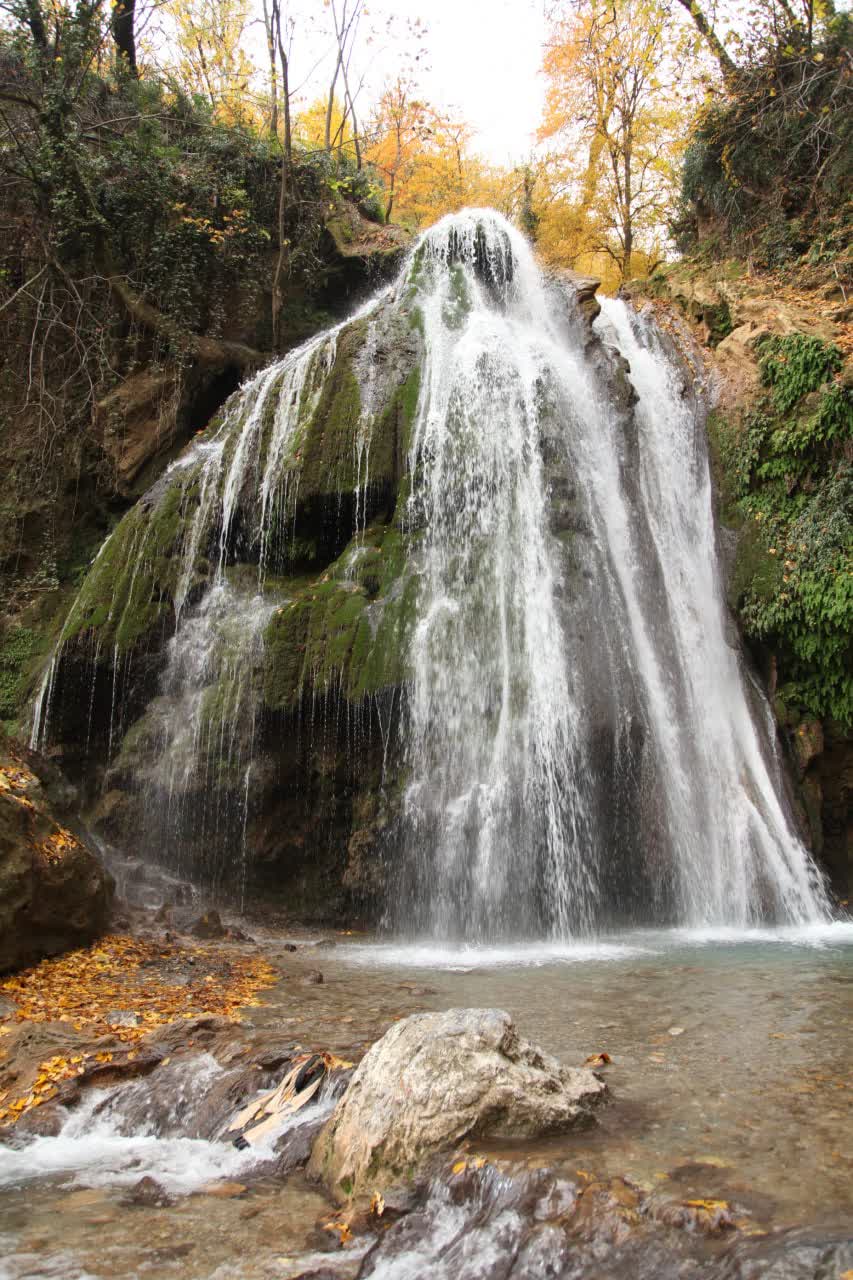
788,476
794,365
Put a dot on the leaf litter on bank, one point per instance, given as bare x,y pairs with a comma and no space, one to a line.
125,988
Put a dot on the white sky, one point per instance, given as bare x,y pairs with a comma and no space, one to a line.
483,59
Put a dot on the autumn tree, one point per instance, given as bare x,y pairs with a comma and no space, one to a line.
615,119
209,58
398,128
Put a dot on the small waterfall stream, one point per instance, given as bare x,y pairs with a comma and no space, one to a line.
580,743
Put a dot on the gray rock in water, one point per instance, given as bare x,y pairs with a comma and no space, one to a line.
436,1078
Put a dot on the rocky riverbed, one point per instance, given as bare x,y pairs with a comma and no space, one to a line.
723,1150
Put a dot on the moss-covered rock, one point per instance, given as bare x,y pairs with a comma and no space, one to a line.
346,631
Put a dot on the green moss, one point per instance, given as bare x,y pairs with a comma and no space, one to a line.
131,585
724,440
458,305
324,451
756,573
416,268
17,647
719,322
392,432
333,635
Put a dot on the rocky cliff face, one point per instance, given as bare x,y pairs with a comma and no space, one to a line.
150,394
778,354
254,740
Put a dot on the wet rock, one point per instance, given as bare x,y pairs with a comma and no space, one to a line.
121,1018
793,1255
83,1199
208,926
436,1078
41,1122
313,978
122,1065
808,741
293,1148
54,892
148,1193
233,934
223,1190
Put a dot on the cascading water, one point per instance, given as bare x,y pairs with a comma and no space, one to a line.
527,630
462,503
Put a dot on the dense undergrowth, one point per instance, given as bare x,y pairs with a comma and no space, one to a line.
787,477
767,174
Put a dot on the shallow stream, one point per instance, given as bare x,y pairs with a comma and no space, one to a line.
730,1061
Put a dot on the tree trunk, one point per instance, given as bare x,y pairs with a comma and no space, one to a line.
124,35
270,35
727,66
330,107
284,182
628,226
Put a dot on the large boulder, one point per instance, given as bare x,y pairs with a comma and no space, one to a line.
434,1079
54,893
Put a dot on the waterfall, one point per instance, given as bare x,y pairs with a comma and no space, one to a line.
466,525
526,631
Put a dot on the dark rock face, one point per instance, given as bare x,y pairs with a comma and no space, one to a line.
54,893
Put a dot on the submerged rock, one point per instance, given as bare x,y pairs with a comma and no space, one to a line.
54,893
148,1193
208,926
436,1078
